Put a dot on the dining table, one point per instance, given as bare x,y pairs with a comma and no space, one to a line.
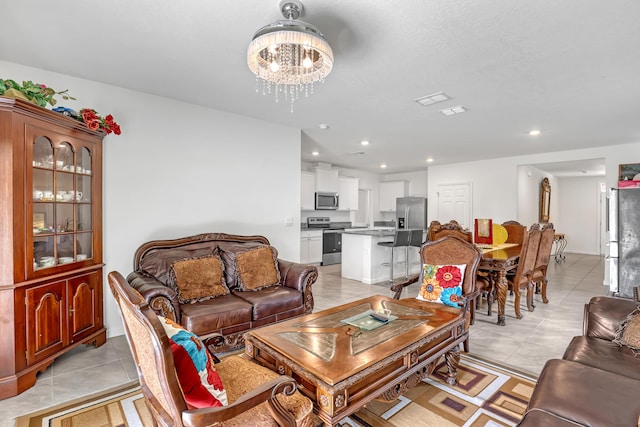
499,260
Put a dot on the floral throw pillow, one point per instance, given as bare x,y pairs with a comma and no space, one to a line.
442,284
201,385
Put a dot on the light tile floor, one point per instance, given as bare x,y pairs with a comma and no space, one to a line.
526,343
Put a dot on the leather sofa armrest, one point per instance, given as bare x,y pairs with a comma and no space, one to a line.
603,316
161,298
299,277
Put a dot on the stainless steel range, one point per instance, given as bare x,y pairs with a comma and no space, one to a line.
331,239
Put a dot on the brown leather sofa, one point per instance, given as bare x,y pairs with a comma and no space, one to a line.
597,382
236,310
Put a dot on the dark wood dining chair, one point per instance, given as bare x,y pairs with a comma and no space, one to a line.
449,250
515,230
539,277
256,395
452,228
523,279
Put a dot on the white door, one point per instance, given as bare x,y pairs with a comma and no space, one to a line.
454,202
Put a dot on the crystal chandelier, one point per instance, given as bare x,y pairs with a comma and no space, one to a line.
289,56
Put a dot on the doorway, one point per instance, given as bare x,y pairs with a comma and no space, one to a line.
454,202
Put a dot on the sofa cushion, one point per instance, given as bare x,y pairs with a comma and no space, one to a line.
628,334
603,354
200,383
229,252
216,314
605,315
198,279
583,394
540,417
158,263
272,300
257,268
442,283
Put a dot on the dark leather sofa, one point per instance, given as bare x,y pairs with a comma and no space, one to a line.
229,315
597,382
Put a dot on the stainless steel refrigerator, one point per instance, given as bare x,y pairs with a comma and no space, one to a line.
622,271
411,213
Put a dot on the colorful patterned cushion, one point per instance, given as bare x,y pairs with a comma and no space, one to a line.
442,284
257,268
198,279
628,334
201,385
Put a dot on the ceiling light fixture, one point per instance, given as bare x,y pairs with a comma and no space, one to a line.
364,142
315,153
534,132
429,159
383,166
323,126
289,56
432,99
453,110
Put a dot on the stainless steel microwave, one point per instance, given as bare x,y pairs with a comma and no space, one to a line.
326,201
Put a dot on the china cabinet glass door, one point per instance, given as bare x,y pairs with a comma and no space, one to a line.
62,208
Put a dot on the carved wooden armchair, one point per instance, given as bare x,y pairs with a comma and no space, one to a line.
450,250
515,230
256,395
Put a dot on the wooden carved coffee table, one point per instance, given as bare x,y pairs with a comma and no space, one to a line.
341,367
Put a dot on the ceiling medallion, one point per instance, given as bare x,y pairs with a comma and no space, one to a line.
289,56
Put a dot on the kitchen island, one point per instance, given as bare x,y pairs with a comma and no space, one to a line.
362,257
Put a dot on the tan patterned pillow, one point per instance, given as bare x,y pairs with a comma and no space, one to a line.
257,268
198,279
628,334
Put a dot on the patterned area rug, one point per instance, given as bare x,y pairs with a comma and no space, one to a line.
487,395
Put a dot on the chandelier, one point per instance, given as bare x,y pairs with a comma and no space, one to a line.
289,56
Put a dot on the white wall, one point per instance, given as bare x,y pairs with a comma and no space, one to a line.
180,169
580,213
529,180
496,185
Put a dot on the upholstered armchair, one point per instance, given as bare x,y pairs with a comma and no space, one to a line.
172,379
450,251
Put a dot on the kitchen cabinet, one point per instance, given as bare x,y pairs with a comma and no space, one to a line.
307,191
327,180
389,192
51,292
311,247
348,193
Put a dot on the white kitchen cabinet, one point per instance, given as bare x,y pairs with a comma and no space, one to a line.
327,180
307,191
311,247
348,193
389,192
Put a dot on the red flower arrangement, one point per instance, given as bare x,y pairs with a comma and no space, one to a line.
94,121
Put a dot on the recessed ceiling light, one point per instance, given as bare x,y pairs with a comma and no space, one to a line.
453,110
323,126
429,159
432,99
534,132
364,142
383,166
315,153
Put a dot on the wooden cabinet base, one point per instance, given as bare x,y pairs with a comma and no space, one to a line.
25,379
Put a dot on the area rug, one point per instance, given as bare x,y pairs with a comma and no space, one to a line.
486,395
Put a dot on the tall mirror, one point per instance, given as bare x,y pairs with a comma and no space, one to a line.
545,199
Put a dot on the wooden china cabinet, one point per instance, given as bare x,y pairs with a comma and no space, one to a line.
50,240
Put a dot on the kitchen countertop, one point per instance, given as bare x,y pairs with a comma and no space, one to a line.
371,232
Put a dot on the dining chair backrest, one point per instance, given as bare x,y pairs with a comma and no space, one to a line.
452,250
451,228
528,255
515,230
547,235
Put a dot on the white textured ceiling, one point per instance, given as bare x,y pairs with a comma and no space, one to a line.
567,67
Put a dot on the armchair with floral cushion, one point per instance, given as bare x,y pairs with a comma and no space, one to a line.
184,386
